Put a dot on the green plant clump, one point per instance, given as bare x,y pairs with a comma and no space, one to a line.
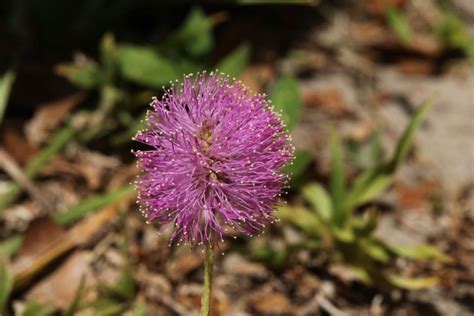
331,224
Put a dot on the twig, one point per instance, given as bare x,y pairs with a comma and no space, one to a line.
60,139
10,166
329,307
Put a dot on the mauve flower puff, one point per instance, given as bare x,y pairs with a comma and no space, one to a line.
215,159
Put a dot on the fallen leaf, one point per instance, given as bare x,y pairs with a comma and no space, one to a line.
49,116
59,288
18,147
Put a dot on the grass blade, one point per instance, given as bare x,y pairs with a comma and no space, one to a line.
404,144
89,205
60,139
6,83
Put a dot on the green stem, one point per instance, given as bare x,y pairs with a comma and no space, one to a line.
207,288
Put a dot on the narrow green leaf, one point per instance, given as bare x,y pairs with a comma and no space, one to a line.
6,286
337,181
375,249
399,24
302,218
59,140
404,143
145,66
6,83
285,96
10,246
234,63
412,283
90,204
320,200
36,309
368,186
420,252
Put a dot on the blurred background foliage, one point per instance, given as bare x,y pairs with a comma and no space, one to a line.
118,54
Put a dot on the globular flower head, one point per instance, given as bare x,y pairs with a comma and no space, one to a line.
215,159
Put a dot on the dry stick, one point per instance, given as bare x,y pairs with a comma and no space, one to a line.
14,171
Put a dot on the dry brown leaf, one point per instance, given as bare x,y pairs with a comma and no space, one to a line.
17,146
59,288
49,116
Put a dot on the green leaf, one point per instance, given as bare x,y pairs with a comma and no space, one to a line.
298,166
90,204
337,181
195,34
375,249
320,200
301,218
145,66
285,96
36,309
419,252
453,32
10,246
86,75
412,283
404,143
399,24
373,182
6,286
234,63
368,186
6,83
